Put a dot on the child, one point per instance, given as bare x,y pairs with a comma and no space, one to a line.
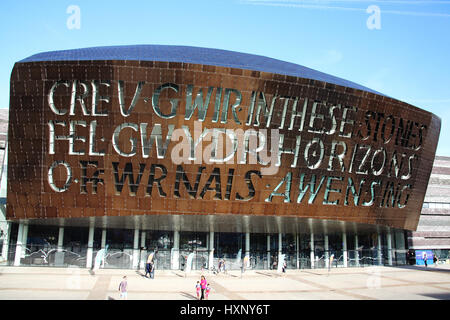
207,290
197,288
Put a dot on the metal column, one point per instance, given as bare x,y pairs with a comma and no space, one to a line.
136,248
90,249
6,239
19,245
103,244
389,247
356,250
379,252
344,249
143,253
211,250
24,240
60,238
247,248
175,254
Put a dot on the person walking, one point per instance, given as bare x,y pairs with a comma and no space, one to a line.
147,268
148,264
203,285
123,288
274,264
424,256
220,265
197,289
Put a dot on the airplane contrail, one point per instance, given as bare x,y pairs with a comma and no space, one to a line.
299,4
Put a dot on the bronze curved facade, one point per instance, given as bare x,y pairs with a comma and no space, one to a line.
118,138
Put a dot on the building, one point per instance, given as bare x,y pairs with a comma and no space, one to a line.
433,230
194,155
3,138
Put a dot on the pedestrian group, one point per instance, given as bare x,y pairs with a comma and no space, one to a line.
202,289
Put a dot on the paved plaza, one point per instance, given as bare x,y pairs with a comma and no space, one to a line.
369,283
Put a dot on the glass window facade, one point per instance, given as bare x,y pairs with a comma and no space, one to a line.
117,248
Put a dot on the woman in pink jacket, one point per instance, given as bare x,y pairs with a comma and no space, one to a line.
203,284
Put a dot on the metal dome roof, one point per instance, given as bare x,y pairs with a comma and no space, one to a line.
196,55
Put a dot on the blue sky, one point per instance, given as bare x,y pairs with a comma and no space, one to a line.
407,58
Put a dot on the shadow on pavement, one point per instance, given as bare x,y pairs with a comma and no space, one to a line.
188,295
263,273
439,296
422,268
139,273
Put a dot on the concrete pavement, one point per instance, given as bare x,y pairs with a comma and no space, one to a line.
369,283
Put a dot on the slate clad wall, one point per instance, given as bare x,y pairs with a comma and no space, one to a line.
433,230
